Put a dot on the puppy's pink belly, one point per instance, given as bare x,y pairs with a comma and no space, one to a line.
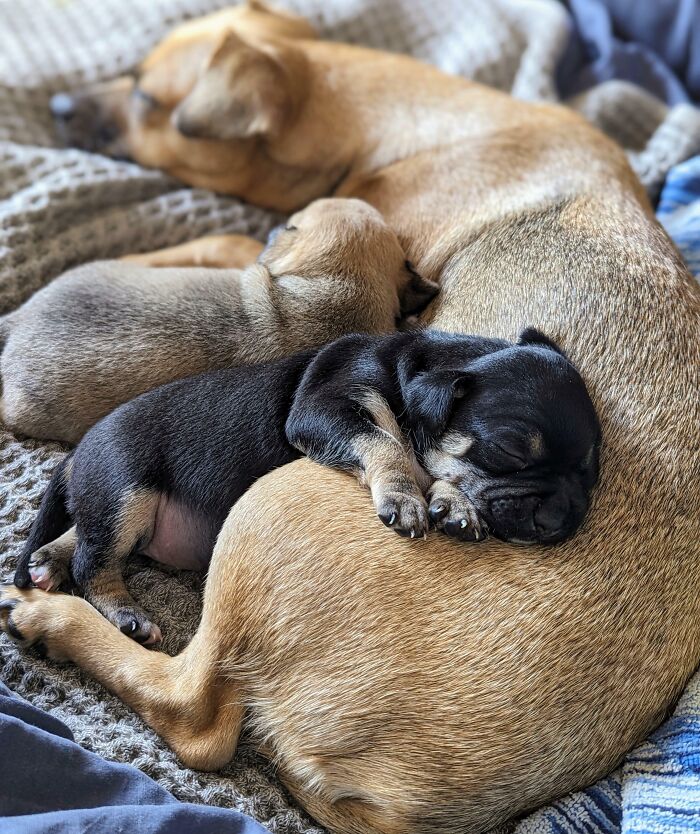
181,538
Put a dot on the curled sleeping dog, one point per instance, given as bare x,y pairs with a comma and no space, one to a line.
106,332
501,436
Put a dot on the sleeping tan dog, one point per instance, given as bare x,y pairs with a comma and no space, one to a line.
427,686
105,332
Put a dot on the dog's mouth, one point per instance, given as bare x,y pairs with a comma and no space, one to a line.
524,517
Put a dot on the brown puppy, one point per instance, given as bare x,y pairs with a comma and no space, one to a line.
424,687
338,269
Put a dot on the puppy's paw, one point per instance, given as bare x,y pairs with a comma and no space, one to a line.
135,624
34,618
48,568
454,514
405,513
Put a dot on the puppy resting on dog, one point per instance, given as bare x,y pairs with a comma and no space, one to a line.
105,332
502,435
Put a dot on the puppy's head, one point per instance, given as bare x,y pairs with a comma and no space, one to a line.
209,88
349,240
517,432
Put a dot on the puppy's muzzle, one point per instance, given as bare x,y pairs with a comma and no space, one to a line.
534,519
88,119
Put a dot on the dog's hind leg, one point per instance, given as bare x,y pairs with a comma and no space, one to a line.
186,699
108,530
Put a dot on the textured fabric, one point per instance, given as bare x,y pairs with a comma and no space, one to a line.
49,783
679,210
634,41
654,44
62,207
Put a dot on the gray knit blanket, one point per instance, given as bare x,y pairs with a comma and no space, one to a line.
63,207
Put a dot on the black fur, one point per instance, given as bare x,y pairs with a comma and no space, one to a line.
202,441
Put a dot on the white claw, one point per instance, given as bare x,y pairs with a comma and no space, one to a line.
413,534
392,518
133,626
463,523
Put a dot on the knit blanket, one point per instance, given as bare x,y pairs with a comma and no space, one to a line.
62,207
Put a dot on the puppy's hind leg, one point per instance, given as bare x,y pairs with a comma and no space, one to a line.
105,540
49,566
47,553
186,699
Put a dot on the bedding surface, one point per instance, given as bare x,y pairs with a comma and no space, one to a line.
62,207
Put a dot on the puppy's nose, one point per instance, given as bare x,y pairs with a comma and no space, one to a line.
551,518
62,106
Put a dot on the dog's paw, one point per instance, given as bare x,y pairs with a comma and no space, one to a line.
135,624
454,514
48,568
405,513
32,618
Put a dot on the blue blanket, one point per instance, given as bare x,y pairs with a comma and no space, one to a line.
679,210
48,783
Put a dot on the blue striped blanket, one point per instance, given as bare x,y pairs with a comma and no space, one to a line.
657,789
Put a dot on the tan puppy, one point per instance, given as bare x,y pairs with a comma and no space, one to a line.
105,332
425,687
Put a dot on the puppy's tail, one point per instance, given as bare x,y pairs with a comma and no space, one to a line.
51,521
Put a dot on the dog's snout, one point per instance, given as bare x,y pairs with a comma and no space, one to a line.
551,518
533,519
63,106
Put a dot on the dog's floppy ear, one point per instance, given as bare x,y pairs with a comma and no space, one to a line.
430,397
242,92
533,336
417,292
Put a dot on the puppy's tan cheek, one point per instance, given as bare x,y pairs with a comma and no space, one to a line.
446,467
456,444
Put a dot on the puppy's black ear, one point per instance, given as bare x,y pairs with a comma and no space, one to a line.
417,292
533,336
430,398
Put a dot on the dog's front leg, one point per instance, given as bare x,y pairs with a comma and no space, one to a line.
453,513
359,433
220,251
185,698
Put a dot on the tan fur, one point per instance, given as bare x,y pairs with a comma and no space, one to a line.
443,687
105,332
223,251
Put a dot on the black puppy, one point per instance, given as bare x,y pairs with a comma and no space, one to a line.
499,436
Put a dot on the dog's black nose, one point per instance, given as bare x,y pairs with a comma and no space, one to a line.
62,106
551,518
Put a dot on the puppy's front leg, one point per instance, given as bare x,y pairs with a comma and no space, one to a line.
453,513
359,433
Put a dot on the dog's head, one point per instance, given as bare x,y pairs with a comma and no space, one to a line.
348,239
200,101
517,432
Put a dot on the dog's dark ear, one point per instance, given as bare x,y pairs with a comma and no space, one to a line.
533,336
242,92
417,292
430,397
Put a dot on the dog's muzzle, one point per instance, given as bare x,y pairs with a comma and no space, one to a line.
535,518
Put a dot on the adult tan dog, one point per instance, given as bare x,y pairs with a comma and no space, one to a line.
424,687
106,332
